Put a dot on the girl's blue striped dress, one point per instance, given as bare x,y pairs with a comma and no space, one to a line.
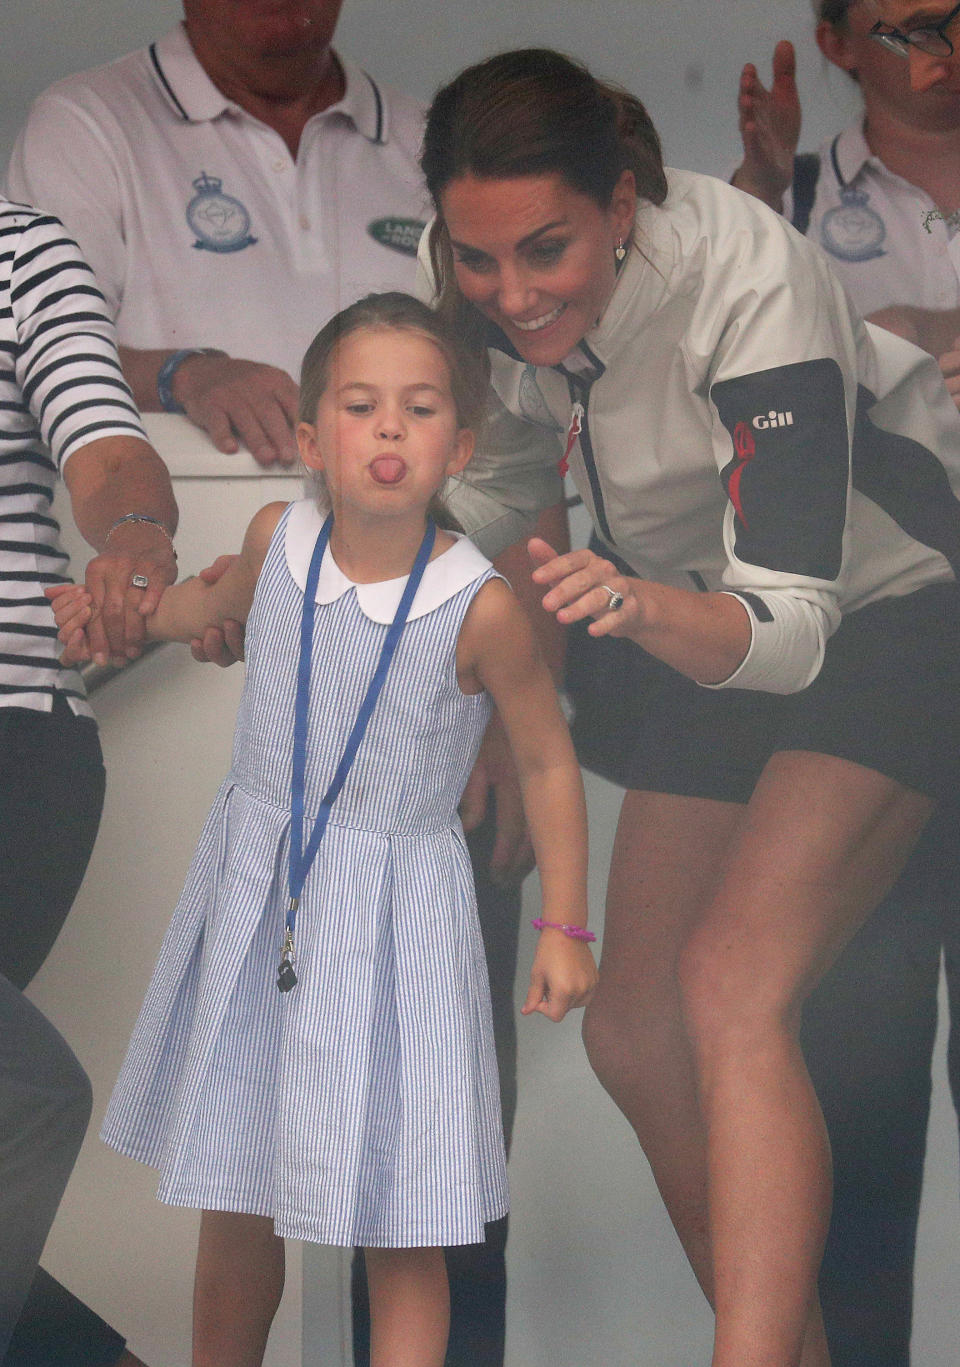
361,1108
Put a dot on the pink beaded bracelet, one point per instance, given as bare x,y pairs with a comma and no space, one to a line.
574,932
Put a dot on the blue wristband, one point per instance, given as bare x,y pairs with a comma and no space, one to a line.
170,367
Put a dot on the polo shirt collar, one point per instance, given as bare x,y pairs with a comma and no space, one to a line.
194,98
184,84
362,102
851,153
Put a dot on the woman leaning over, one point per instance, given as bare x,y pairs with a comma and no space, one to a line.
764,463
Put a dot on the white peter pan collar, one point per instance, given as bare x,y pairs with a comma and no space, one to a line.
444,576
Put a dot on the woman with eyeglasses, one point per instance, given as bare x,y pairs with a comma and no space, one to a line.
704,376
877,198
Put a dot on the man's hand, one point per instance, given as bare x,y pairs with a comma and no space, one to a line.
494,774
950,367
243,401
769,129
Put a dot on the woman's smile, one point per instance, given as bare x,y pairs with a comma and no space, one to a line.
538,324
536,256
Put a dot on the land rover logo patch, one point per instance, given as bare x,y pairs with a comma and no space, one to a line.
399,234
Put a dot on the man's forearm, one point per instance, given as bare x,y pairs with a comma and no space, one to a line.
935,330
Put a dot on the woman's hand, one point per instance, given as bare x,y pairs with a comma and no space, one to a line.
116,625
580,585
769,129
563,976
703,635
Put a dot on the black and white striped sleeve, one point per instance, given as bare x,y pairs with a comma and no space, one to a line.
67,366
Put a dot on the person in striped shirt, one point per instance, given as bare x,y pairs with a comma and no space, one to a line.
64,410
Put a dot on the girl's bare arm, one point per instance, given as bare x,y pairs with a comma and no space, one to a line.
186,610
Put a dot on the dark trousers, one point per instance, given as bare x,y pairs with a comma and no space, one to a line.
477,1272
868,1036
51,794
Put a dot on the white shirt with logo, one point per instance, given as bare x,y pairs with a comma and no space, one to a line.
883,236
741,429
201,228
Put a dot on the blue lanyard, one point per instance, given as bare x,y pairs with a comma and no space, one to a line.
300,859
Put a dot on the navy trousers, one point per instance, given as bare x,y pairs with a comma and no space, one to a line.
51,795
867,1036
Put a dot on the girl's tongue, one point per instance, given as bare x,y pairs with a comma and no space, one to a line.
387,469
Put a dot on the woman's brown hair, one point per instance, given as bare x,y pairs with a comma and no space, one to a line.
527,113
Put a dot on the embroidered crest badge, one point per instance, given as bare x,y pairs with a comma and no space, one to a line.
853,231
221,223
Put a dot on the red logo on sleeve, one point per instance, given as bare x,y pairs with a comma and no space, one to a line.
746,449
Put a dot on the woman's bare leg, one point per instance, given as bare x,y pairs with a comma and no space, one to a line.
239,1282
668,861
409,1306
664,870
821,842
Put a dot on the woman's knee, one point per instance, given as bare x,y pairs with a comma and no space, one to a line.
732,1001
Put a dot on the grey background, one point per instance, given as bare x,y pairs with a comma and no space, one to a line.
682,59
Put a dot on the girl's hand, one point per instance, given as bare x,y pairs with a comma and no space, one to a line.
563,976
72,610
578,584
222,646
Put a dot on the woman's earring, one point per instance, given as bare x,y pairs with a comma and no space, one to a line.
620,251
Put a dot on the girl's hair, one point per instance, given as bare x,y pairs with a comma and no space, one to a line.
532,112
395,311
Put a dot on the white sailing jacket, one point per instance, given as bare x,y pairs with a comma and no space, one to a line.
733,425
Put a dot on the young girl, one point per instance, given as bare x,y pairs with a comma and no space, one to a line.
358,1104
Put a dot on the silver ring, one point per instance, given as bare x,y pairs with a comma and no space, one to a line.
139,581
614,599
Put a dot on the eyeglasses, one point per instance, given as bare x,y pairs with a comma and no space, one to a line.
930,38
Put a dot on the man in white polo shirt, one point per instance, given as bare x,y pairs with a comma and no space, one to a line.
233,185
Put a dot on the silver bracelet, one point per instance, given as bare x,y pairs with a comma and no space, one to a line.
141,517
